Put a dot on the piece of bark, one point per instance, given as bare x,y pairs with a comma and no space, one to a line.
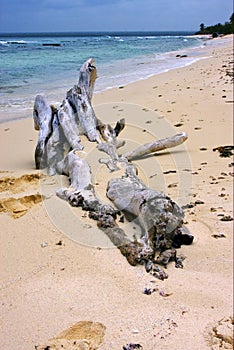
156,146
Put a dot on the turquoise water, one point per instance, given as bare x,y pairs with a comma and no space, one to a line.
49,63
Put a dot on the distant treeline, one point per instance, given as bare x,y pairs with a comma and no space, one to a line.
217,29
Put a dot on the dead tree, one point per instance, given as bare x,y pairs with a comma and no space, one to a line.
160,218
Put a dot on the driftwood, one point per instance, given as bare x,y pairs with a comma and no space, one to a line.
75,117
160,218
49,149
42,115
156,146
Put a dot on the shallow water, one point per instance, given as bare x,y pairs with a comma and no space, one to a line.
49,63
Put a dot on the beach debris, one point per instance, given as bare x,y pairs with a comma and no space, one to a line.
188,206
156,146
203,149
60,242
159,273
173,185
169,172
149,291
148,265
159,218
166,256
224,151
181,56
44,244
151,176
178,125
218,235
226,218
198,202
164,294
212,209
132,346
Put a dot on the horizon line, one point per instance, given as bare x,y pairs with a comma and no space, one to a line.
99,31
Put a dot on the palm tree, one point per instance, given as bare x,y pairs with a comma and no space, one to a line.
202,27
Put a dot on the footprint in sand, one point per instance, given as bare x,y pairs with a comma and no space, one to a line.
221,336
84,335
19,206
19,184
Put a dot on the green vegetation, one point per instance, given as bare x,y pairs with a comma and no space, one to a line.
217,29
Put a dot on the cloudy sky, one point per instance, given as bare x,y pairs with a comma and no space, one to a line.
110,15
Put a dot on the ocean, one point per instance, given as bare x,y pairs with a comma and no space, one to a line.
49,63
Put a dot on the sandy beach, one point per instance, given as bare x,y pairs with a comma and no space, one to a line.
63,284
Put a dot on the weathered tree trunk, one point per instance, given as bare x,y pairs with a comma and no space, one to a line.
81,194
75,117
160,219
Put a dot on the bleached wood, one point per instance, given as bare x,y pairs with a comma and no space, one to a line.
159,217
42,116
156,146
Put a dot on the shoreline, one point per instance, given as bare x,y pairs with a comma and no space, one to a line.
55,95
48,275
